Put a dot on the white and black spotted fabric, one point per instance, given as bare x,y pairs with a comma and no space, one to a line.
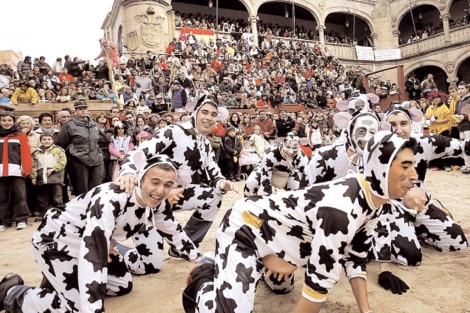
71,247
192,152
326,227
396,236
273,161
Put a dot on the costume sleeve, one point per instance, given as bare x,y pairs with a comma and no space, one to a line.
171,230
160,141
316,169
301,166
265,171
334,247
93,254
437,146
328,248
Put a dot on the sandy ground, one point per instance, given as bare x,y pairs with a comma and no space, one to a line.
440,284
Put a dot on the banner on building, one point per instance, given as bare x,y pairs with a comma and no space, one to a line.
391,54
365,53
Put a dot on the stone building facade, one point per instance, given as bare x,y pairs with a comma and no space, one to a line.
149,25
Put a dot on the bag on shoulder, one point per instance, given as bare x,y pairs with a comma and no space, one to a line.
216,141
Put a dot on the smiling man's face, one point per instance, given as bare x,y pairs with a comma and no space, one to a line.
364,128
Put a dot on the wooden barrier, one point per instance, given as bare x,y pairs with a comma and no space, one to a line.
95,107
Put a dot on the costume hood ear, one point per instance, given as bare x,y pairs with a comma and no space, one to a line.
342,105
193,105
342,119
223,113
415,114
373,98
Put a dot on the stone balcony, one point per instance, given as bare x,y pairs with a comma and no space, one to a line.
457,36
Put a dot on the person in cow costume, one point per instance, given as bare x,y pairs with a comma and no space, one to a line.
75,246
324,227
396,237
281,167
188,147
419,215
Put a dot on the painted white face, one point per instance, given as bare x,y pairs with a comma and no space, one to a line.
290,149
364,128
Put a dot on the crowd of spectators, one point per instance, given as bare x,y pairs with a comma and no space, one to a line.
237,27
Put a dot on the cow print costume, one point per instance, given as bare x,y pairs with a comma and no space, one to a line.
396,237
325,227
72,243
193,152
275,160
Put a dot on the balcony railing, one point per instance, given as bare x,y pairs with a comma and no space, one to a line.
341,51
457,35
423,45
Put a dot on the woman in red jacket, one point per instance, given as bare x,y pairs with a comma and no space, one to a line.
15,165
264,102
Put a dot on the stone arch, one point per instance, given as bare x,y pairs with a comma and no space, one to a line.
301,3
401,14
428,62
363,15
248,6
458,63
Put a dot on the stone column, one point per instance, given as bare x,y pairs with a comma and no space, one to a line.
445,22
254,28
374,40
396,35
321,33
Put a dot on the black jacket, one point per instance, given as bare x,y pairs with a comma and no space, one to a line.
80,138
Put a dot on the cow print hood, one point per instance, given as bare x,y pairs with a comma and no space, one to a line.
350,143
378,157
143,165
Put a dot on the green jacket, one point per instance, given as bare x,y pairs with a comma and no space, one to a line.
51,158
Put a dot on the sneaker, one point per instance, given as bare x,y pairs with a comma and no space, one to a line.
3,227
38,219
435,169
454,168
174,254
447,169
10,280
208,257
21,225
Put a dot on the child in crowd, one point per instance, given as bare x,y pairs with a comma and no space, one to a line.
119,144
259,143
48,173
15,164
314,135
142,106
248,158
232,151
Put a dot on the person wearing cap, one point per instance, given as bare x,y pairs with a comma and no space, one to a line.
325,228
187,145
24,94
180,97
79,138
77,245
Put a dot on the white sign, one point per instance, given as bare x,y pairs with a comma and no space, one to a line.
365,53
391,54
